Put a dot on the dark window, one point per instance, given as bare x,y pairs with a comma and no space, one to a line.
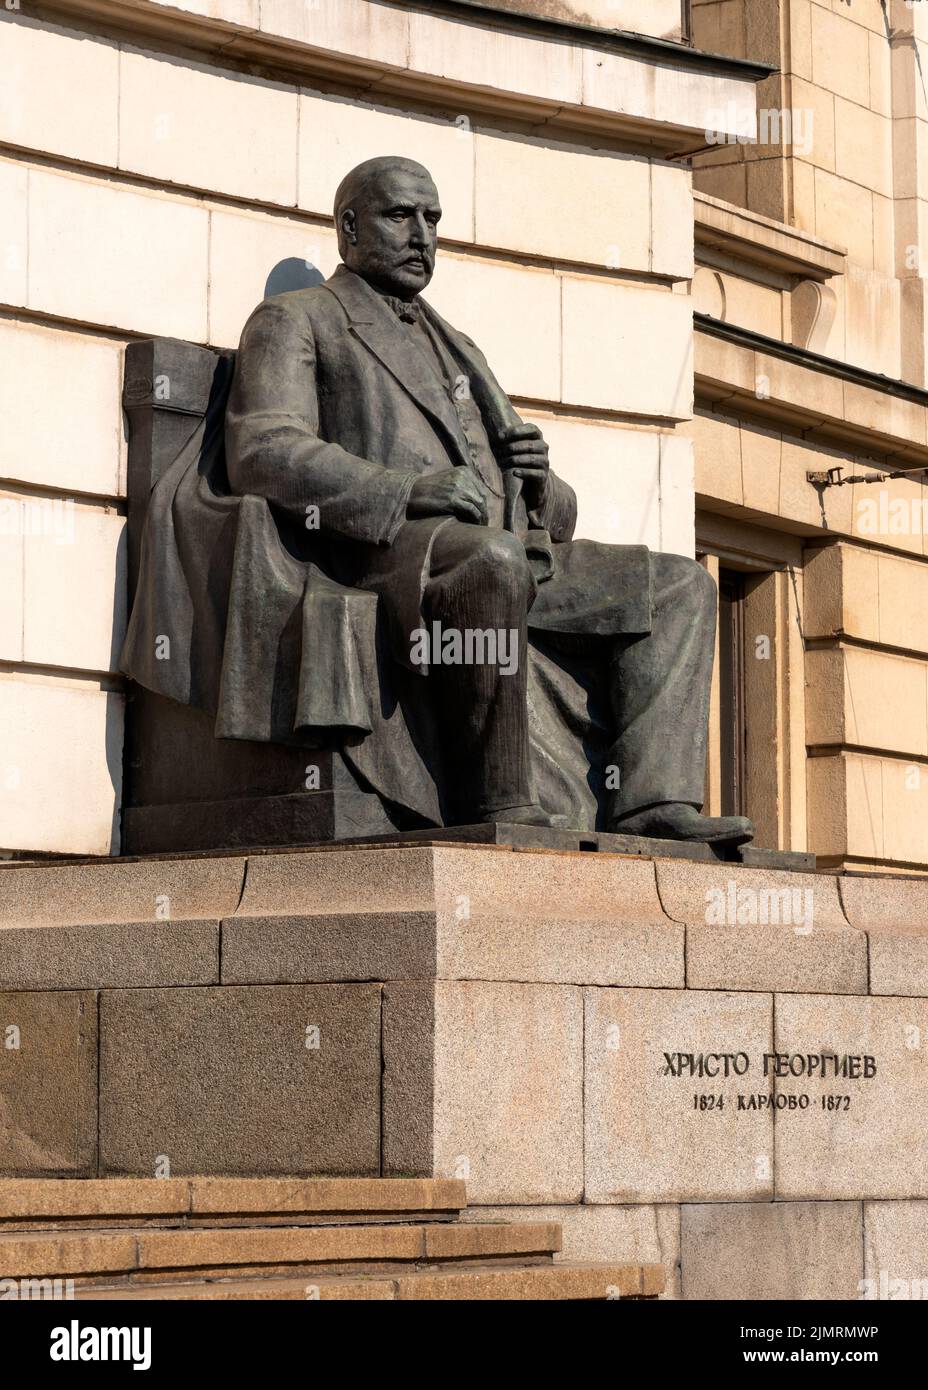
733,731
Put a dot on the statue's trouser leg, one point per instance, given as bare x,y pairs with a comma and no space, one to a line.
481,581
660,692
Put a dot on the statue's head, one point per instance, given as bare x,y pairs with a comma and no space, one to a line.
386,216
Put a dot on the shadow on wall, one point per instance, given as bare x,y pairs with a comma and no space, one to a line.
292,274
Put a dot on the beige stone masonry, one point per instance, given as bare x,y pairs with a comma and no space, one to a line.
851,689
484,64
484,1081
639,1235
801,396
752,929
644,1139
40,1203
452,914
772,1250
75,447
235,1081
114,925
60,796
894,914
878,1146
48,1081
763,241
895,1242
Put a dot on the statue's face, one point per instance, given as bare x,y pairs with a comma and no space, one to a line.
391,233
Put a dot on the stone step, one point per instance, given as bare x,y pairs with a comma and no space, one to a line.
155,1256
36,1204
463,1282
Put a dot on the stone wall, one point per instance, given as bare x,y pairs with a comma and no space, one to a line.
191,171
499,1015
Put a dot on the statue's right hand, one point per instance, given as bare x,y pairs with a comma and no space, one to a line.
453,492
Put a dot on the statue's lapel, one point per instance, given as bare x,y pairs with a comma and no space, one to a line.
378,327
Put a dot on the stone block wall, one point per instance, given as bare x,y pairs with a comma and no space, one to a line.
841,154
503,1016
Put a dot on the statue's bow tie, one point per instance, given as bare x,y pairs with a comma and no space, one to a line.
405,312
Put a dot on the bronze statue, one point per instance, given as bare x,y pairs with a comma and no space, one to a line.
380,560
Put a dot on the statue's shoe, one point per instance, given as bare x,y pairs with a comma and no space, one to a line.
532,814
677,821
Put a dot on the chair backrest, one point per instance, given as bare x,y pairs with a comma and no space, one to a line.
168,388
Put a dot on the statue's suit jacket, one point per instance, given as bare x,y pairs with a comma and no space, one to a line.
273,540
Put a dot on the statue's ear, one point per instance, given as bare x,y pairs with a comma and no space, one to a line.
350,225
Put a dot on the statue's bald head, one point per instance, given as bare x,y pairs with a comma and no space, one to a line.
386,217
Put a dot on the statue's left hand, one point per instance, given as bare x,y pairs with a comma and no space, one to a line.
523,451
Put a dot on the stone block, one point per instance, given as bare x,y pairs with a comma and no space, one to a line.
457,914
717,453
661,17
522,189
255,1079
48,1084
761,454
61,796
844,215
903,602
645,1235
843,591
864,147
753,306
110,955
671,220
840,55
757,1251
44,1203
14,236
903,791
73,550
851,688
815,107
616,474
324,1197
627,349
365,29
752,929
38,57
678,485
513,312
716,106
483,56
484,1081
894,914
245,251
799,500
11,576
874,1144
155,890
336,134
888,513
151,277
188,123
895,1251
645,1140
77,445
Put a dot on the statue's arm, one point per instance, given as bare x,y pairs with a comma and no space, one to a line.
273,448
558,512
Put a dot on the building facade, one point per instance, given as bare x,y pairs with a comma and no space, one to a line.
691,240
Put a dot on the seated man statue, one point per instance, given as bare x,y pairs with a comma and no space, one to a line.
374,556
